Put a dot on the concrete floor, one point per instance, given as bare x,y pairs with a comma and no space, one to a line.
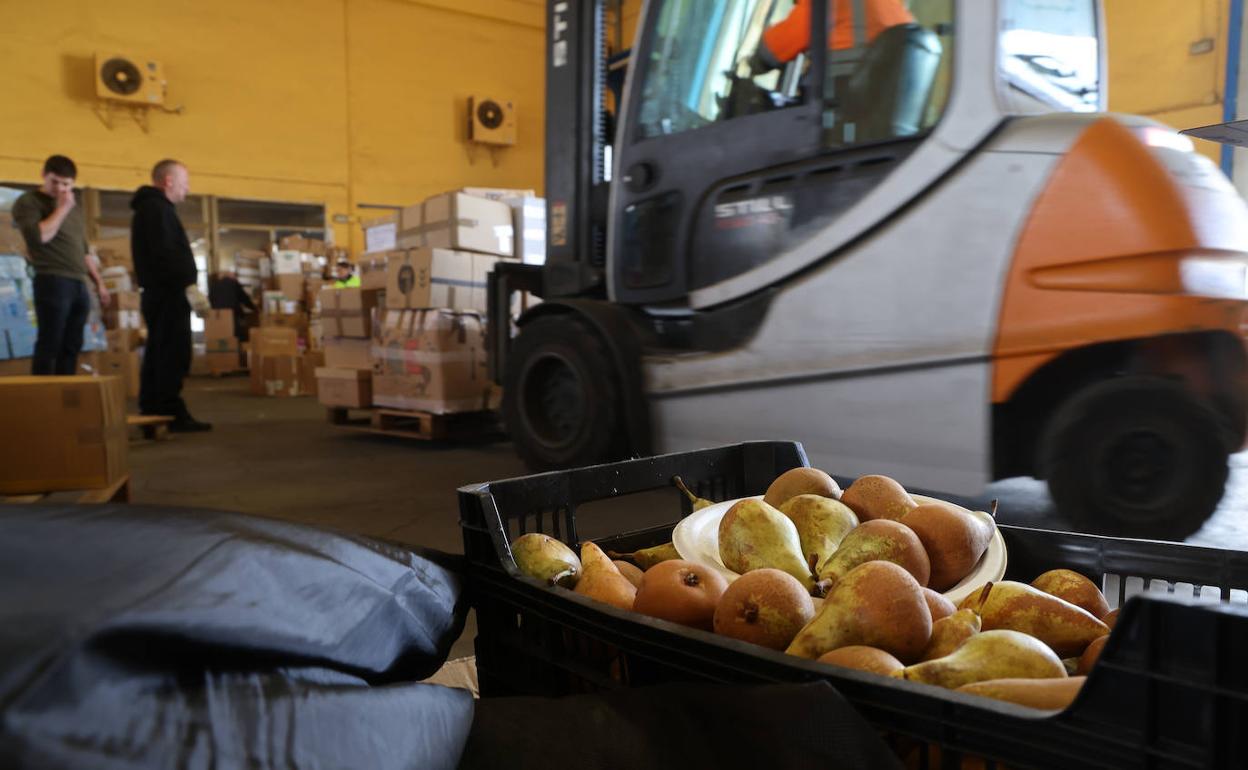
280,458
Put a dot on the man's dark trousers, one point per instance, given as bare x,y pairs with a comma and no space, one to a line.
167,360
61,308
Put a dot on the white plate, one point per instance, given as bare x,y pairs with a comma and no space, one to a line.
696,538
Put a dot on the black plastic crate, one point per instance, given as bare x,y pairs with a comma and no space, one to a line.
1170,690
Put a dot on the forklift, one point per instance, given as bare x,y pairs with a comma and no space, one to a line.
927,253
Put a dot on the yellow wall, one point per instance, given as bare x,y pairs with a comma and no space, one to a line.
341,102
1152,68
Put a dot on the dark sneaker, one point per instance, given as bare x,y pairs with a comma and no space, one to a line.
189,425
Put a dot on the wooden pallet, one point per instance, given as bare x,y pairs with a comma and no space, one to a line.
118,492
424,426
153,427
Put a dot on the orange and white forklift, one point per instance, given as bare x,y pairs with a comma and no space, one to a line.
928,253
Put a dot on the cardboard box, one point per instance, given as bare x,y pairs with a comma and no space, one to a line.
432,361
309,362
296,321
381,233
117,279
436,278
372,270
458,221
219,331
274,341
347,312
529,218
123,311
344,387
11,240
291,286
61,433
347,353
293,243
122,340
287,263
276,376
223,362
127,366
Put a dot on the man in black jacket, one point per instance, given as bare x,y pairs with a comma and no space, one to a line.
166,270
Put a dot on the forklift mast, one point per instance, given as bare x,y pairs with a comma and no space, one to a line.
576,138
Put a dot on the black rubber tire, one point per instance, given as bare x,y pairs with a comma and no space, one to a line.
1136,457
561,396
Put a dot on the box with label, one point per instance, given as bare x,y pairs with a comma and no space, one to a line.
61,433
287,263
219,331
274,341
458,221
432,278
381,233
432,361
347,312
347,353
124,365
291,287
352,388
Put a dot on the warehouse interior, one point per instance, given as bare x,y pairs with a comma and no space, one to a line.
314,533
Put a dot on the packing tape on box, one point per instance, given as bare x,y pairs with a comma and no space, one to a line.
423,357
445,224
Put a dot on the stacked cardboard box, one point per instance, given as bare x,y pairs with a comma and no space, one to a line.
253,268
221,351
381,233
432,361
274,361
123,311
347,321
61,433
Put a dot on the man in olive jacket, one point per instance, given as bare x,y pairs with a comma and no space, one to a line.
165,268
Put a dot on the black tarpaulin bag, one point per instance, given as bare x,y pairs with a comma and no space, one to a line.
134,636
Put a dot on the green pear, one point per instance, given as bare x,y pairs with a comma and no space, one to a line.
822,523
545,558
877,604
990,655
882,540
1015,606
753,535
698,503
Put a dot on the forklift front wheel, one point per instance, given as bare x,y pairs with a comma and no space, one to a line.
1137,457
561,399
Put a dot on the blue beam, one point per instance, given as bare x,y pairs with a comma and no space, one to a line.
1230,95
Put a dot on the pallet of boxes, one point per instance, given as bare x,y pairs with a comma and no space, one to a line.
119,352
430,369
283,353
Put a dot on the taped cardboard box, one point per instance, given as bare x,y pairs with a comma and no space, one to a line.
219,331
274,341
529,217
432,361
61,433
309,362
348,353
295,321
498,193
435,278
372,270
117,279
223,362
127,366
276,377
291,287
347,312
352,388
458,221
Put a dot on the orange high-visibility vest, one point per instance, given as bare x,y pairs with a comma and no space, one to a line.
788,38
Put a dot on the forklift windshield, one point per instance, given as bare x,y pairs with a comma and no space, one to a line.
886,74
